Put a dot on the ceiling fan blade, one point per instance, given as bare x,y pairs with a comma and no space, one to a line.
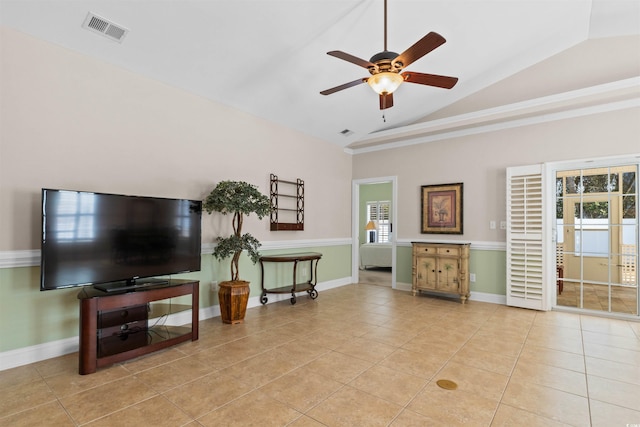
386,100
343,86
350,58
419,49
445,82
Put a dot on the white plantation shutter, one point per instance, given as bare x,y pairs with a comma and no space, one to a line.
380,213
525,244
383,222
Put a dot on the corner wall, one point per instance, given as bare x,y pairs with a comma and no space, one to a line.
69,121
480,162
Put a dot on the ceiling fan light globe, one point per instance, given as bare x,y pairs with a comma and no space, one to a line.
386,82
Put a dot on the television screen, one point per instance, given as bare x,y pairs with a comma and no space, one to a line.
93,238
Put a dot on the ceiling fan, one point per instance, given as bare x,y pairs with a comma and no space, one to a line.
385,68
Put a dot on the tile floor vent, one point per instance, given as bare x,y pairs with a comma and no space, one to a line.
105,27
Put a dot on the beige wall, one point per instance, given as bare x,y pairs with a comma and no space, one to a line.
480,162
68,121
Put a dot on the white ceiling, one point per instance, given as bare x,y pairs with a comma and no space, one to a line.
268,57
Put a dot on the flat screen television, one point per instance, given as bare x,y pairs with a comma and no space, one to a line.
114,241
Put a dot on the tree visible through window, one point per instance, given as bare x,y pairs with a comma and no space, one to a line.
591,220
378,212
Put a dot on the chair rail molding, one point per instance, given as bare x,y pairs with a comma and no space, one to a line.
31,258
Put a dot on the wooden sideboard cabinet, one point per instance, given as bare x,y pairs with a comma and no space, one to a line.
442,268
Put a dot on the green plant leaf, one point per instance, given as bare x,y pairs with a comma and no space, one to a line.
239,199
237,196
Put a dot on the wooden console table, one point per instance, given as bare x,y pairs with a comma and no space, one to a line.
114,325
309,286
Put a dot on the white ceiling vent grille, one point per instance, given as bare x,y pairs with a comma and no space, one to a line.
105,27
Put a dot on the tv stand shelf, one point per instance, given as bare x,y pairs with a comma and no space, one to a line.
114,325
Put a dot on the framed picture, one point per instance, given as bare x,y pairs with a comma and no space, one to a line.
442,208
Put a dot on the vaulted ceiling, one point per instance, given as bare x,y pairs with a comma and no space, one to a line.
268,57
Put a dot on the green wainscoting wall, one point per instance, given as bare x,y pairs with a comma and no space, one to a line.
404,264
489,266
29,317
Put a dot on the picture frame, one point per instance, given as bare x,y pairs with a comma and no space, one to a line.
442,208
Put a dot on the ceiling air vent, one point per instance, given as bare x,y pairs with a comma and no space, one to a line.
105,27
346,132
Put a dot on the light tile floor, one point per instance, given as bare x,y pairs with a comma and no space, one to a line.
596,297
359,355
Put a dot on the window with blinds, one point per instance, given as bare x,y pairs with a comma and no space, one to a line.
378,212
525,245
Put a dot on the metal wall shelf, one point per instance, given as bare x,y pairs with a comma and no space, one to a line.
287,203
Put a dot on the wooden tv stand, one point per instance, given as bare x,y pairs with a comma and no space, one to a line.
114,325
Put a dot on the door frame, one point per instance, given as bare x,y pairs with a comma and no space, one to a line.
550,172
355,224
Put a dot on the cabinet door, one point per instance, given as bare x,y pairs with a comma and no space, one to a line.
426,269
448,272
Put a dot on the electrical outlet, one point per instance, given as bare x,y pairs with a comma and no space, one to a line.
472,277
503,225
214,286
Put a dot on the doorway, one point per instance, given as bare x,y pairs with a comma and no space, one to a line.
597,239
376,209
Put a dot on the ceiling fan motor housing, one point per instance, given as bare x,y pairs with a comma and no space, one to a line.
384,62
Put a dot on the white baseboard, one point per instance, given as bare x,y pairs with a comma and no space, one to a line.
475,296
324,286
36,353
402,286
492,298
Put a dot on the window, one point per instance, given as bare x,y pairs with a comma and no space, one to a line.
591,192
378,212
597,229
591,224
75,216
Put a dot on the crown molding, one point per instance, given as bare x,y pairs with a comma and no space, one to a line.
622,94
